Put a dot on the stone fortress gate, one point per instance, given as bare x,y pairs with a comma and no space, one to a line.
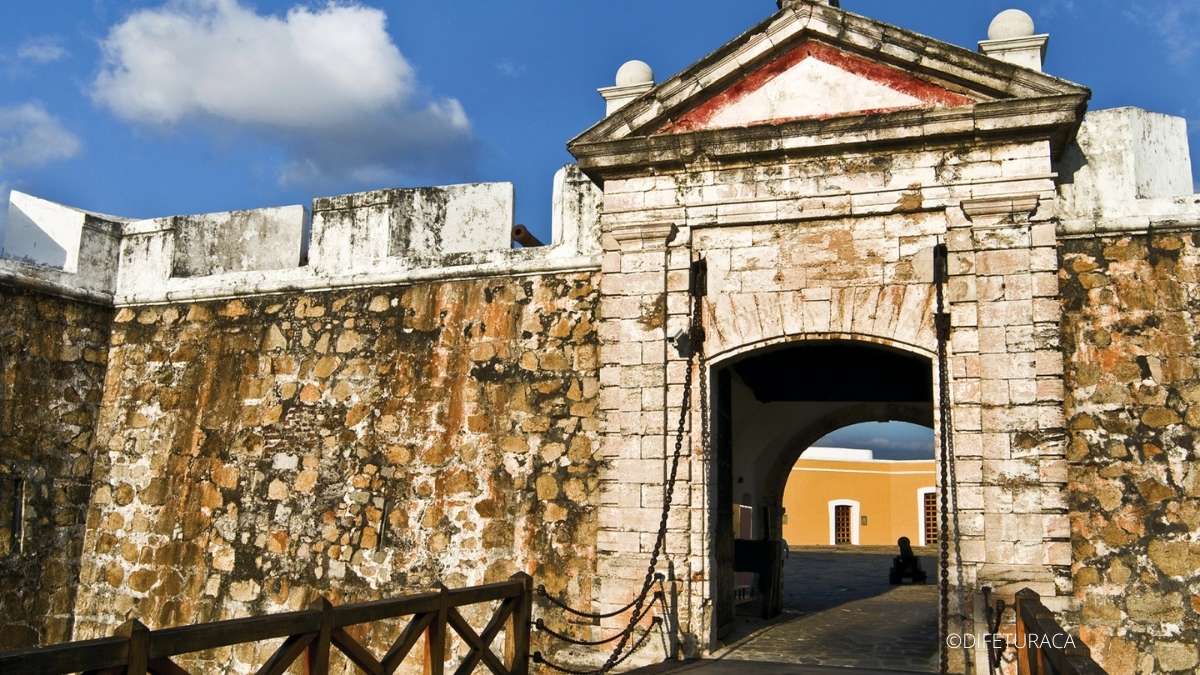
211,416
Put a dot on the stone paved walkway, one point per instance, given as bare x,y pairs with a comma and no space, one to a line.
839,610
752,668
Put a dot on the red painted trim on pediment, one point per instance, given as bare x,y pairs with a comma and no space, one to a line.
932,95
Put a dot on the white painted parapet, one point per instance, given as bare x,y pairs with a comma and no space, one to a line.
369,238
361,231
157,250
575,214
60,248
1128,170
239,241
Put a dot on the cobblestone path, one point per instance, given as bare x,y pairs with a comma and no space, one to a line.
839,610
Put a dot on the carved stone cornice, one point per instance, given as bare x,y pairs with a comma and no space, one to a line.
641,236
1018,205
1052,117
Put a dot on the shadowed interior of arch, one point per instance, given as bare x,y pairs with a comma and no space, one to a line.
772,406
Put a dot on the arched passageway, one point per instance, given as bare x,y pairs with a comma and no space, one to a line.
770,406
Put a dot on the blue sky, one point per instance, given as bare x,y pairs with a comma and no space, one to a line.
148,108
889,440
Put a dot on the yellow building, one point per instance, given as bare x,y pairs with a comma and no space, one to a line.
841,496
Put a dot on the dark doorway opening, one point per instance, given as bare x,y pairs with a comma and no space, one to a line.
769,407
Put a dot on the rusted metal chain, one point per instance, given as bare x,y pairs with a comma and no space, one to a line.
541,590
942,319
538,658
949,476
541,625
695,353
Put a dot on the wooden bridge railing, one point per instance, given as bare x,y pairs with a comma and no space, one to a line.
136,650
1043,647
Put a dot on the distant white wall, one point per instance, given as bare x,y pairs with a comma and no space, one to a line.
839,454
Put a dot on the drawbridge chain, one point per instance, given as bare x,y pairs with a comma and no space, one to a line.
948,496
637,607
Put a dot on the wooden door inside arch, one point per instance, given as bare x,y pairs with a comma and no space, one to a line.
841,525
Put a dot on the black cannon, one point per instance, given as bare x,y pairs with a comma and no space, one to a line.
906,565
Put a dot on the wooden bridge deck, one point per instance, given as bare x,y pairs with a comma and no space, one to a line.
731,667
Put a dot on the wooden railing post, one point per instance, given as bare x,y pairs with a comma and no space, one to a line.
317,654
139,646
1022,607
516,634
435,635
314,634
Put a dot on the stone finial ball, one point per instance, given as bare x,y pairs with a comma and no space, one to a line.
634,72
1011,23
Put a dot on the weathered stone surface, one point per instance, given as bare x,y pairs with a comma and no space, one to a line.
52,365
261,451
361,442
1132,348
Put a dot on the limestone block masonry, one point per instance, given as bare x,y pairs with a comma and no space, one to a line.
221,415
838,275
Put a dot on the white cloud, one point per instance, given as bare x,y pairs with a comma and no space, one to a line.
327,83
45,49
30,137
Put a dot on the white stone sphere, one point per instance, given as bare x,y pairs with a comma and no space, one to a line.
634,72
1011,23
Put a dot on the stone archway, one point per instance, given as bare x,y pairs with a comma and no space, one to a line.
772,403
793,449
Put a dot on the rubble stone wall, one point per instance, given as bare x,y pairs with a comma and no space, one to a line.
52,365
254,453
1132,342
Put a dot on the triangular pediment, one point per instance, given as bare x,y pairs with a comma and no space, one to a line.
814,81
812,63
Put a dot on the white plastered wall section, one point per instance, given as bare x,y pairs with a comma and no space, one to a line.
372,238
60,249
1129,171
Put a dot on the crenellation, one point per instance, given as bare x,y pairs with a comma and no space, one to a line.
239,241
371,238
